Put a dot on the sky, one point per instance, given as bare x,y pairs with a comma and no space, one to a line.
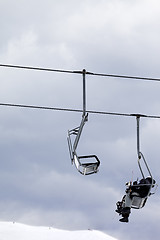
39,186
14,231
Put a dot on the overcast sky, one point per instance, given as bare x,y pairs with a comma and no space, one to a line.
38,184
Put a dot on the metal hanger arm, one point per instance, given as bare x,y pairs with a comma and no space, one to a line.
140,155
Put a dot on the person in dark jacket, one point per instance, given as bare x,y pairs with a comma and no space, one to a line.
141,189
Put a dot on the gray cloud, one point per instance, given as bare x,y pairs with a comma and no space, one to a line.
38,184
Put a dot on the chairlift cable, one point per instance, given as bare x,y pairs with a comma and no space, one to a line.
38,68
77,110
123,76
80,72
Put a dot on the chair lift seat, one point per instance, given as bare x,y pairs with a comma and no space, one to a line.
140,197
137,201
86,168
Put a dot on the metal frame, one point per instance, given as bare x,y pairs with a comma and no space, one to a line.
137,201
140,155
88,167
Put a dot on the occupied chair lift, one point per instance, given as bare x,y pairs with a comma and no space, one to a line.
139,201
89,164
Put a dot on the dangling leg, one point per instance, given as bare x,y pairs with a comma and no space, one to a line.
126,209
120,205
125,214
